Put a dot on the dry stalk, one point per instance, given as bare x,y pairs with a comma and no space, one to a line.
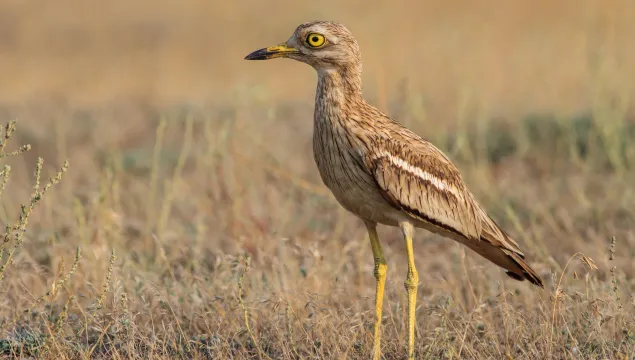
17,230
106,286
615,290
241,279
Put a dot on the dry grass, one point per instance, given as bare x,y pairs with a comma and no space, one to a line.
192,222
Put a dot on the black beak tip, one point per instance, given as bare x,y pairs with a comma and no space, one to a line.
258,55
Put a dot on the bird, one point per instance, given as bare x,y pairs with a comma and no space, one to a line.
384,173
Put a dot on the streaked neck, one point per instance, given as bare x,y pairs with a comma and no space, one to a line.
338,87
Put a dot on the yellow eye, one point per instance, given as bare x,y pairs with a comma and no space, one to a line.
315,40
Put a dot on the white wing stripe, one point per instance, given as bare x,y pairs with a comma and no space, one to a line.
420,173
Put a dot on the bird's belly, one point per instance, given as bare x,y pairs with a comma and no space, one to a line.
368,207
356,190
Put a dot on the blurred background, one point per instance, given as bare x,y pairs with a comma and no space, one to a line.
519,56
184,158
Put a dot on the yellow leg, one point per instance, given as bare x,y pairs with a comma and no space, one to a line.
411,283
380,275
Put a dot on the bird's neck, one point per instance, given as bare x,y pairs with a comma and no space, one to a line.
339,88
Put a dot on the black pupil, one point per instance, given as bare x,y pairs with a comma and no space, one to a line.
314,39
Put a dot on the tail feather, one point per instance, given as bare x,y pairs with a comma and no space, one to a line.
498,247
527,272
513,263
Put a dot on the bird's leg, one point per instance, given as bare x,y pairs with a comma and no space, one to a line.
411,283
380,275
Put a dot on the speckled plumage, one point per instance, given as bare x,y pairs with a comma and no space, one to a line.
381,171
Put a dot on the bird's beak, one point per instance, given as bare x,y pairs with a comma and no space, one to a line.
272,52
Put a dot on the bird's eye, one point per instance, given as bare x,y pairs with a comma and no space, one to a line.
315,40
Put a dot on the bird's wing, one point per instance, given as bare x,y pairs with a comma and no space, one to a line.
417,178
421,181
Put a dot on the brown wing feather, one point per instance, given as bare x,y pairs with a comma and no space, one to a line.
424,186
422,182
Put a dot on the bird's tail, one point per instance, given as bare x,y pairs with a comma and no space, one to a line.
498,247
502,250
513,263
527,273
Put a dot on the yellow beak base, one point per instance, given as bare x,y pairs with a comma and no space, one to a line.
272,52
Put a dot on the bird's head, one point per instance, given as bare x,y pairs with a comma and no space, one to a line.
321,44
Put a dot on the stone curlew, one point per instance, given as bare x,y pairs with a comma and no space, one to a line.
384,173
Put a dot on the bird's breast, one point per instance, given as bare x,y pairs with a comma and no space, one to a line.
342,170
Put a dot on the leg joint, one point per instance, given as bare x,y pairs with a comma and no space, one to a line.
412,280
381,268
